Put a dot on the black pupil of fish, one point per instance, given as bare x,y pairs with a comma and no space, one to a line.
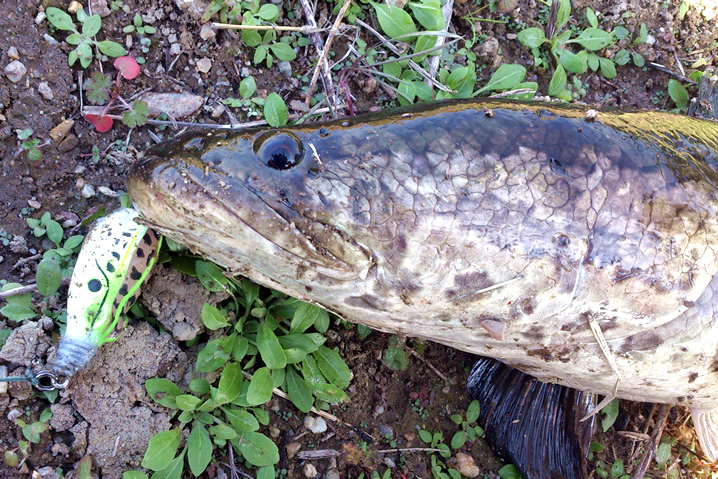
280,151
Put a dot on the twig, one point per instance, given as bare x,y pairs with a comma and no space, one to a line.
410,449
317,42
318,454
396,51
431,366
325,50
30,288
22,261
658,427
279,28
447,10
678,62
660,67
209,126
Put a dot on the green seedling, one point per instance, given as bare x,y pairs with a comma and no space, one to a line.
509,471
396,355
30,145
558,42
139,27
273,107
84,39
439,469
469,429
32,433
678,94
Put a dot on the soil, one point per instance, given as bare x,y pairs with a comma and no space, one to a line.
105,412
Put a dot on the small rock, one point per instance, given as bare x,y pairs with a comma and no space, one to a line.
204,65
62,418
79,169
48,472
310,471
195,8
13,53
511,36
274,432
175,105
175,49
332,474
69,143
3,374
61,130
466,466
60,449
218,110
108,192
285,68
87,191
40,17
207,32
69,223
100,7
45,91
315,424
49,39
389,462
15,71
74,7
14,414
409,436
591,115
385,431
34,204
292,449
244,72
650,39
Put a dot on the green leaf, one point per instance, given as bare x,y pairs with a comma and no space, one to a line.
308,342
48,276
214,355
283,51
268,12
458,440
571,62
304,317
591,17
332,366
393,20
260,387
564,12
230,384
269,347
505,78
593,62
59,19
472,412
532,37
678,94
91,25
258,449
19,307
111,49
161,449
187,402
682,10
593,39
134,475
241,420
173,470
210,276
199,449
74,39
428,13
275,111
609,413
617,468
509,471
266,472
619,32
642,36
137,116
213,318
638,59
608,69
299,392
54,232
84,53
199,386
247,87
558,81
162,391
663,454
622,57
223,432
322,322
328,393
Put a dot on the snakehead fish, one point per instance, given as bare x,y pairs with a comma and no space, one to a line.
526,232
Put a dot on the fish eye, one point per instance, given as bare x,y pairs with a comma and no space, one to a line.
280,151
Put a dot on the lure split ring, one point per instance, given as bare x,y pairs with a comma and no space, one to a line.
55,382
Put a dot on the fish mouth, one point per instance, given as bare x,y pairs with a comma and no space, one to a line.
237,226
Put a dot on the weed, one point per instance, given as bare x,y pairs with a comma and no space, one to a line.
30,145
396,355
142,30
85,39
31,432
469,429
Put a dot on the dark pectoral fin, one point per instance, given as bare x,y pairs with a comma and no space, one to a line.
533,424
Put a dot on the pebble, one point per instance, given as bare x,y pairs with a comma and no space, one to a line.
61,130
69,143
175,49
100,7
389,462
74,7
108,192
244,72
15,71
175,105
79,169
14,414
385,431
47,472
45,91
13,53
310,471
49,39
293,448
315,424
218,110
34,204
466,466
87,191
3,369
274,432
59,449
207,32
332,474
650,40
204,65
40,17
285,68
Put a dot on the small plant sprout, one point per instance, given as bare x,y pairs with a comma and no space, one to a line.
30,145
139,27
84,38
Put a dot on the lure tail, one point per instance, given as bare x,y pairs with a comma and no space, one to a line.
706,424
534,424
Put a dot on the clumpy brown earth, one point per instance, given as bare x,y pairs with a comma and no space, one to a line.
105,413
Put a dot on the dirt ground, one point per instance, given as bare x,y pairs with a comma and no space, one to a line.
105,413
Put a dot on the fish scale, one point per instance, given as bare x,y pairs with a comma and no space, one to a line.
500,228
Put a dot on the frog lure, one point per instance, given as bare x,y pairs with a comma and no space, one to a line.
116,259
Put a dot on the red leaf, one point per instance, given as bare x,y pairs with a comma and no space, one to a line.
128,67
102,123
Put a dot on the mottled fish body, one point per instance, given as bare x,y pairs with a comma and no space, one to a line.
501,228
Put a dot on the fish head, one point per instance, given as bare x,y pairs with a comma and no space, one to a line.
263,203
